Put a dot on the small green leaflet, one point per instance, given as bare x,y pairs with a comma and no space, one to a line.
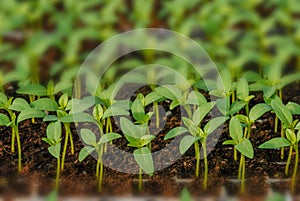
144,159
245,147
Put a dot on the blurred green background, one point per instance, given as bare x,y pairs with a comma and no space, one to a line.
42,40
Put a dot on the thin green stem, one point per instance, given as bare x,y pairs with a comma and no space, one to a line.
57,174
156,109
205,165
288,162
19,148
243,175
100,181
197,155
68,129
189,111
240,167
98,168
13,132
295,168
140,180
13,139
276,124
249,131
247,109
282,135
64,151
235,154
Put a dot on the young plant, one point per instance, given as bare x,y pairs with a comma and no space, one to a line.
54,140
181,96
67,113
39,90
138,138
285,116
274,84
91,145
197,134
242,144
292,140
13,107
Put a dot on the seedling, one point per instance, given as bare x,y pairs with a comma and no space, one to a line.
197,134
66,115
286,118
91,145
138,138
12,106
54,140
292,140
242,144
39,90
272,85
181,96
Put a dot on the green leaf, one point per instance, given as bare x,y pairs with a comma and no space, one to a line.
115,111
54,131
282,112
19,105
258,110
77,117
213,124
202,111
242,90
275,143
224,81
294,108
131,131
291,136
288,79
63,100
30,113
109,137
187,122
51,142
137,109
229,142
98,112
85,152
3,98
245,147
144,159
153,97
217,93
168,91
80,105
33,89
55,150
46,104
175,132
4,120
236,107
235,129
242,118
269,91
186,142
88,137
174,104
196,98
146,139
222,106
50,118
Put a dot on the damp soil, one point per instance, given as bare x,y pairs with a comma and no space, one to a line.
265,171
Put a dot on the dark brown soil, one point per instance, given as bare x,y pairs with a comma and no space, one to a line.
39,166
